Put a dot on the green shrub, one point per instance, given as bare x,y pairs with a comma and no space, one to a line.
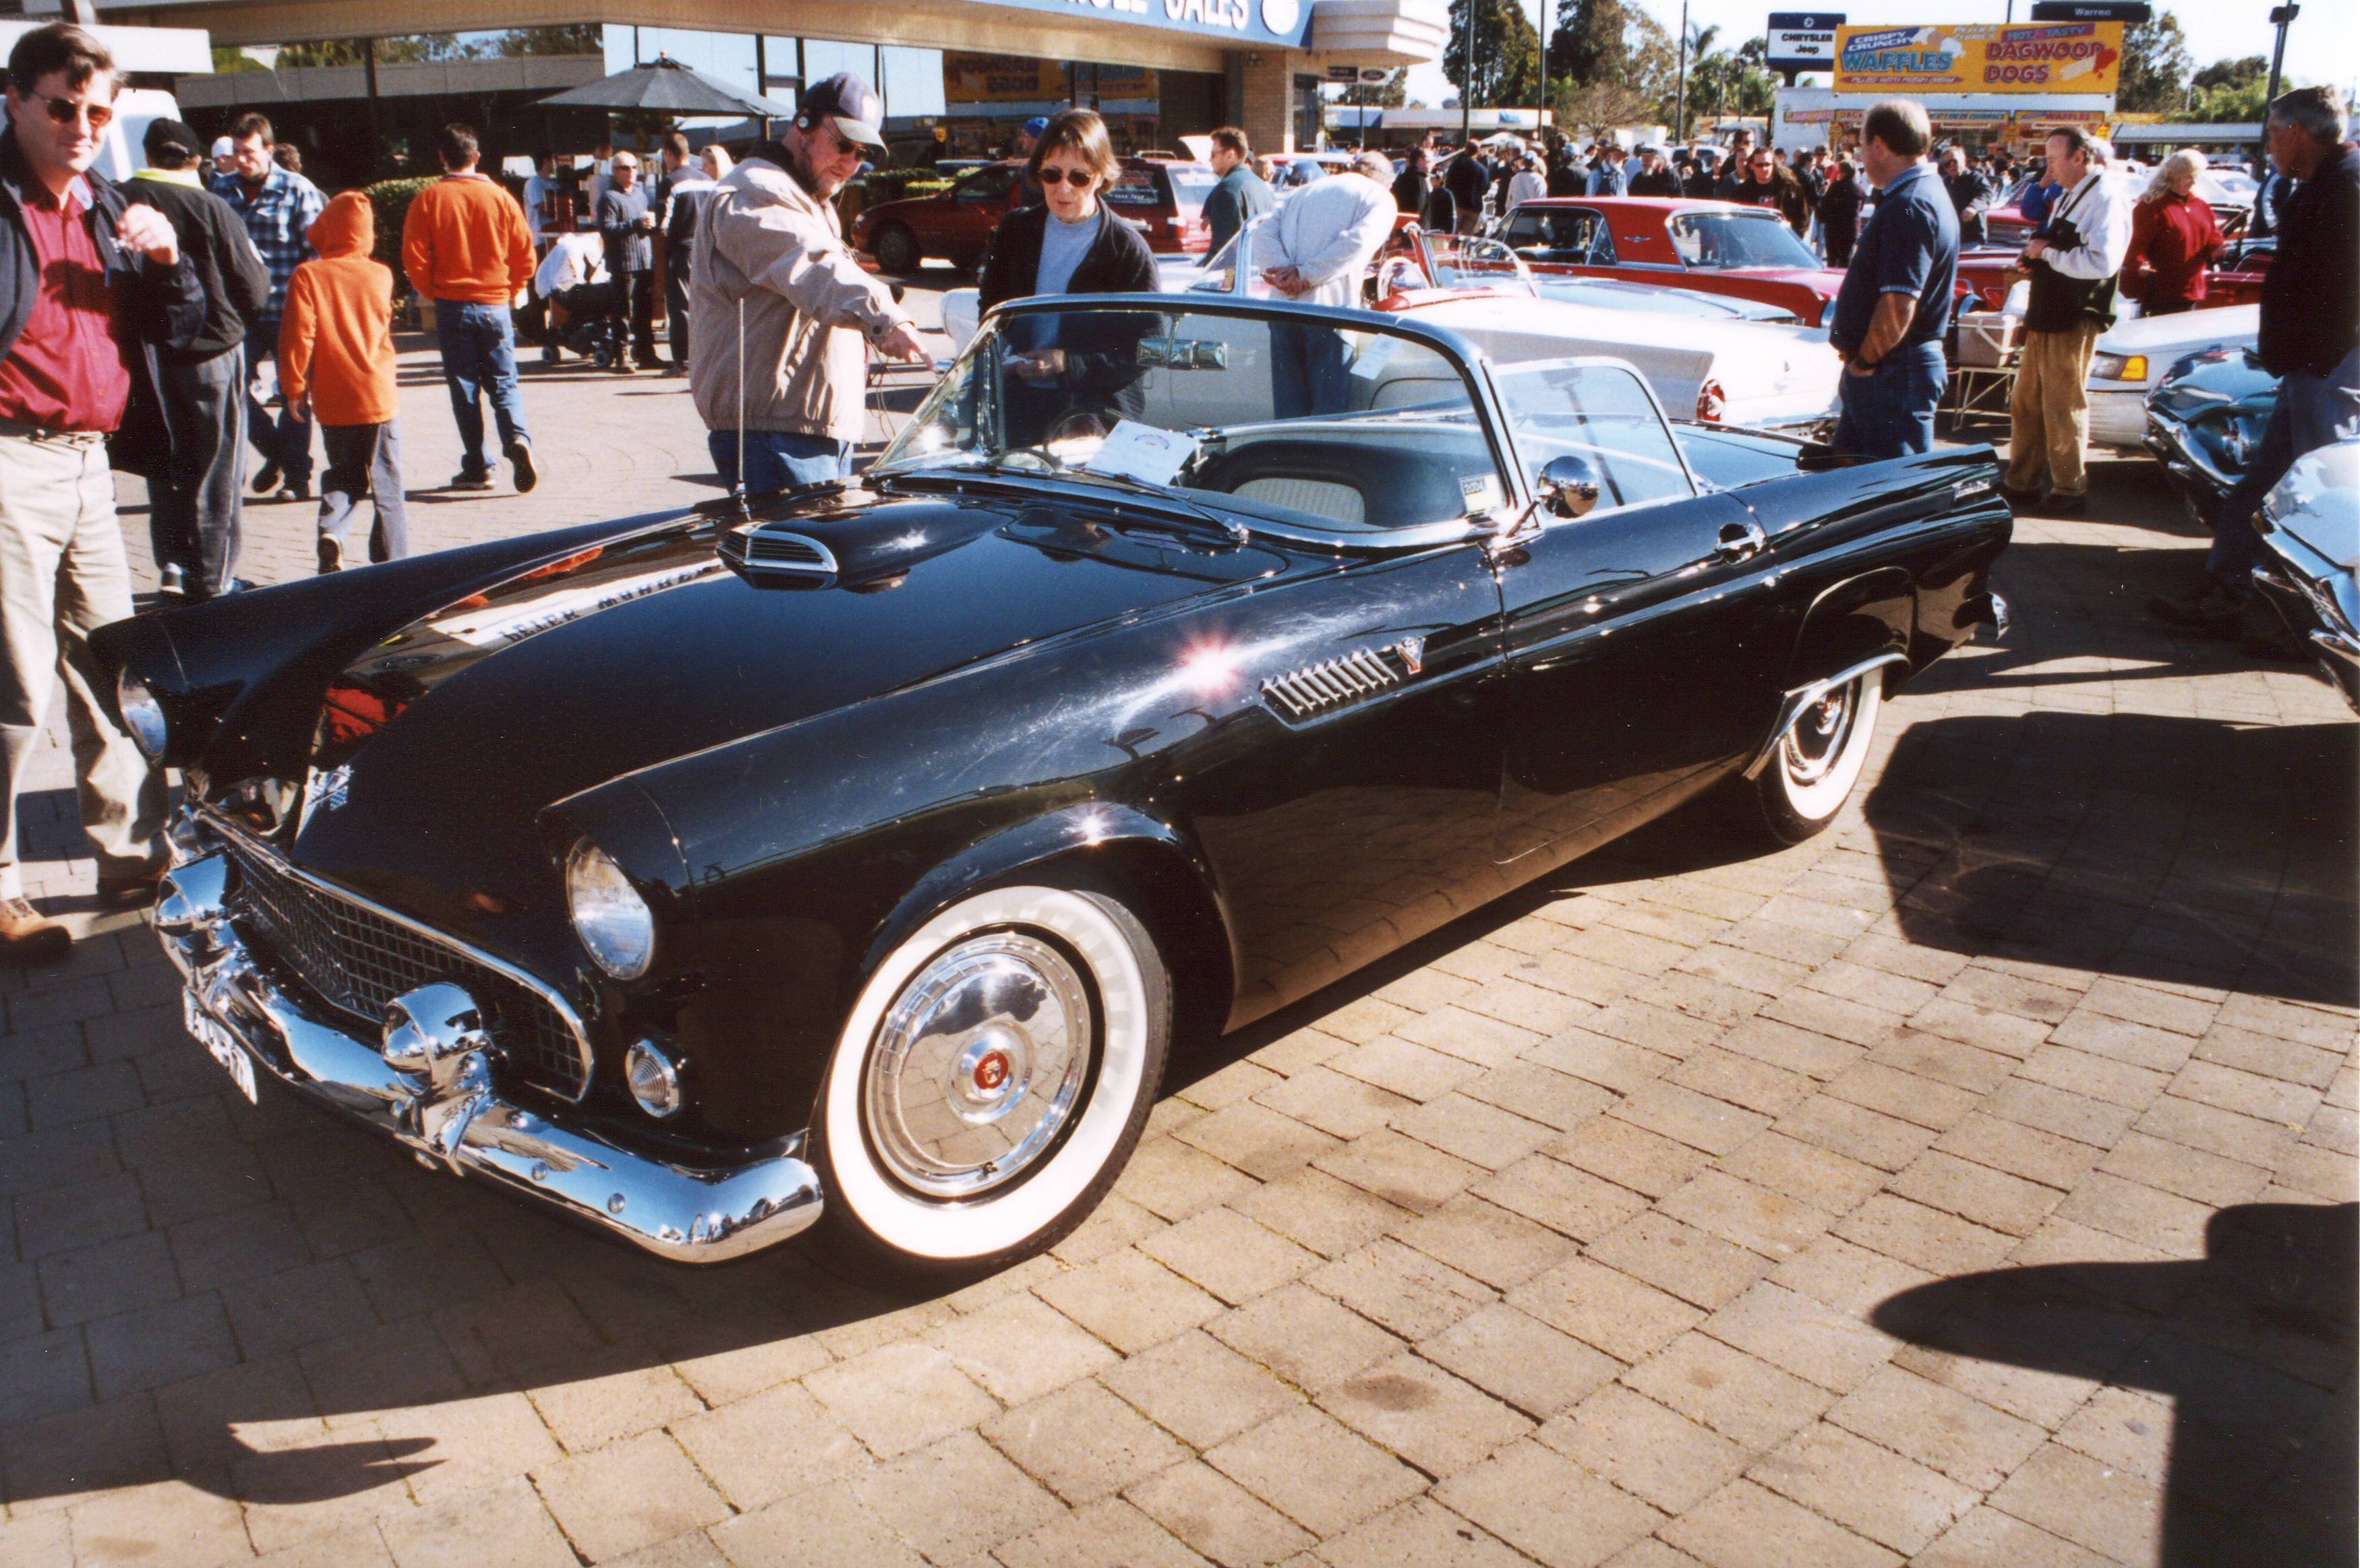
389,200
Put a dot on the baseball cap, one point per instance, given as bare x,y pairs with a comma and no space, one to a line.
224,146
850,104
1036,125
162,134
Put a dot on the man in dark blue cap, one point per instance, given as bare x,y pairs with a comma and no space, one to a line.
1028,189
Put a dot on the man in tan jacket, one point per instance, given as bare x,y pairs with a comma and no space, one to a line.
781,314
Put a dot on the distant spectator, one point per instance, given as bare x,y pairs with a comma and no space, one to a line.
2074,263
1439,215
1970,195
279,209
1656,177
1703,182
571,282
466,246
1605,170
195,490
1840,210
2038,198
628,226
1318,248
1467,181
2174,238
1240,196
2310,340
1409,184
1893,309
89,289
225,155
540,198
716,159
1527,186
335,352
686,192
288,156
1566,174
1767,185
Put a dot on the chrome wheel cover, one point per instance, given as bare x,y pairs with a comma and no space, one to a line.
978,1065
1820,735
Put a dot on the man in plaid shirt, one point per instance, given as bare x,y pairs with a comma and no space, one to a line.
279,208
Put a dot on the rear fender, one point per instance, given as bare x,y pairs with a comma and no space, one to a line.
1857,618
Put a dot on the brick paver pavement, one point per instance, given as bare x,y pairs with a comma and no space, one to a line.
1971,1185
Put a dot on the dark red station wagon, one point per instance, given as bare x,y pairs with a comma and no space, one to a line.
1164,199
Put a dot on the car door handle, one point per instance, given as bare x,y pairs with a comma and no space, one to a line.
1739,540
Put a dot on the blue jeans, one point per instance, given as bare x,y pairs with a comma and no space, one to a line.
1310,370
779,460
479,344
2313,411
1889,412
286,440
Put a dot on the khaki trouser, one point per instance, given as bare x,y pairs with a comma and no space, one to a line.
62,576
2049,415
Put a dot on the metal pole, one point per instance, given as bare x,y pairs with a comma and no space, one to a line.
2283,17
1540,124
368,76
1467,87
1680,113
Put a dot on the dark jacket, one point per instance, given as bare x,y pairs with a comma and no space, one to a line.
2310,295
1782,192
1440,214
1566,178
1409,189
1701,184
1467,180
213,238
629,248
1971,197
1236,199
162,306
1839,207
1665,182
1119,261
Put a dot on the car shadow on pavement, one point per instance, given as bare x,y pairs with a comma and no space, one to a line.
2254,1344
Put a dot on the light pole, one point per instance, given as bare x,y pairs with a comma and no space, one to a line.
2281,17
1467,85
1680,113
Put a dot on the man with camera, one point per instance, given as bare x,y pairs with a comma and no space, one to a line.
2075,263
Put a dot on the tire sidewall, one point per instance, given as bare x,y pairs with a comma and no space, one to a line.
1796,812
896,236
1133,1005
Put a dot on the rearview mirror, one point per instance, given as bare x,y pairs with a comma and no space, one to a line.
1567,485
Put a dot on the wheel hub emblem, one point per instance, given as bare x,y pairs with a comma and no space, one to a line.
991,1072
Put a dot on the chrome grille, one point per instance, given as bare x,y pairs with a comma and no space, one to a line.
1302,692
765,548
356,960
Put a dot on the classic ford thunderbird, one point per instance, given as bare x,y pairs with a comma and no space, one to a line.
858,851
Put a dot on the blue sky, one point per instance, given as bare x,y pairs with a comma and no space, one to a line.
2322,45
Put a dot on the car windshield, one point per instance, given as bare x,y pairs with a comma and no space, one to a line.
1455,261
1190,185
1284,418
1712,241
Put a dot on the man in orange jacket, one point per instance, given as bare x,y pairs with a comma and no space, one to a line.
467,248
335,352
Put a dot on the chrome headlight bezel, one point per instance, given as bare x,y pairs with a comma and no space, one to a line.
143,715
612,923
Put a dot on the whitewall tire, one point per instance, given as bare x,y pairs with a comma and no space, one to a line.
1812,771
993,1077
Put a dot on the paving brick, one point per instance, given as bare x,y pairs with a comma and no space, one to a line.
505,1523
1990,1198
1400,1170
1019,1348
1985,1538
1255,1139
160,1522
1420,1530
1200,1389
820,1529
1648,1451
1473,1130
2072,1496
955,1498
1801,1335
1229,1255
1712,1126
1329,1217
2127,1431
1548,1508
901,1396
1996,1032
1402,1289
1741,1080
629,1495
154,1345
1904,1096
1623,1317
113,1277
2119,1040
1745,1526
1923,1237
769,1445
65,1219
1305,1337
1793,1049
1337,1105
1129,1300
1569,1200
1555,1099
1507,1352
1481,1239
1742,1397
2192,1173
2138,1213
1171,1181
1110,1534
2044,1398
1600,1060
1893,1501
1469,1036
1855,1132
2266,1057
1405,1069
2248,1094
2098,1077
1314,1470
2044,1156
1701,1269
1218,1517
1968,1068
1737,1211
1419,1412
1082,1443
1973,1442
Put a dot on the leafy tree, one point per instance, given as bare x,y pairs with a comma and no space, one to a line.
2239,103
2155,68
1588,46
1385,95
1507,54
2242,72
565,38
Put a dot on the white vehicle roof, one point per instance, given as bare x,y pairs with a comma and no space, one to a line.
2185,332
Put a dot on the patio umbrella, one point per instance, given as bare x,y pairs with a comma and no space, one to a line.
664,86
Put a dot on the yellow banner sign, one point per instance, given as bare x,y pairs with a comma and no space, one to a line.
2039,57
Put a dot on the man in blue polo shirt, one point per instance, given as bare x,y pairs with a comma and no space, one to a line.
1895,301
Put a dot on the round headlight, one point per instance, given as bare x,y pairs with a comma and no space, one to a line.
614,924
142,714
654,1077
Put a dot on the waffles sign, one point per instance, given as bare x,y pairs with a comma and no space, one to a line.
2042,57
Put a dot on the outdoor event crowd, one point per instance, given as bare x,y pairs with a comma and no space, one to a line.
135,317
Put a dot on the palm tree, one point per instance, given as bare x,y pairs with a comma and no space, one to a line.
1694,41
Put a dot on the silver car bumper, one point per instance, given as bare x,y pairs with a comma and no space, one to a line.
440,1099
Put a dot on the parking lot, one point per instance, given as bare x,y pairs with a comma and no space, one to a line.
1974,1184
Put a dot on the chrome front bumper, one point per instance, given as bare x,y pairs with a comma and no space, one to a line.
440,1101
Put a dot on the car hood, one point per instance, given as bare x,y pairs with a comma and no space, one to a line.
2185,332
2318,503
438,749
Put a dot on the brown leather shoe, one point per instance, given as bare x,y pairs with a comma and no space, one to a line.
28,937
129,889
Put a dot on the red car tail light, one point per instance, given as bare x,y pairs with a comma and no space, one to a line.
1712,401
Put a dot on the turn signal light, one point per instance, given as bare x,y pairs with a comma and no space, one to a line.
1712,401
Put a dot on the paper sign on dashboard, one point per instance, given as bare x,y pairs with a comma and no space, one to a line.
1134,450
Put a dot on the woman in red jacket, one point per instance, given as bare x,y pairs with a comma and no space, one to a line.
2174,238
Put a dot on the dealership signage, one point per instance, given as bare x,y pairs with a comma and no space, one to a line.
1803,41
1285,23
2080,57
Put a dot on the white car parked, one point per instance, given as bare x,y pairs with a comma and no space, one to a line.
2132,356
1757,375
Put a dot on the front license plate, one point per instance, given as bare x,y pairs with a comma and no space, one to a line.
222,1047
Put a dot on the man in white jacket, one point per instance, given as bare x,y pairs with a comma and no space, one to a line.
781,315
1314,251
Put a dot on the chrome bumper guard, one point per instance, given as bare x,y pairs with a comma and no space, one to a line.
427,1083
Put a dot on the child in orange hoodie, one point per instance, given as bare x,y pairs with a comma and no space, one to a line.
335,348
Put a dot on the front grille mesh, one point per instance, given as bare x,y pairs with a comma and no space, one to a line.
357,961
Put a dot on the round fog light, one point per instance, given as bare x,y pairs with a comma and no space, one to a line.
654,1078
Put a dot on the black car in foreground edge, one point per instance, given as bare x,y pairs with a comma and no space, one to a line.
870,847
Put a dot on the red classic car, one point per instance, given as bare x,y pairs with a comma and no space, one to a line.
1163,198
1717,247
2236,280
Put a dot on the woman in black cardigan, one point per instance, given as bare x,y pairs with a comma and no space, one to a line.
1074,245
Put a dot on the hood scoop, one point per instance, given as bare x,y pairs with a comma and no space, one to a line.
757,552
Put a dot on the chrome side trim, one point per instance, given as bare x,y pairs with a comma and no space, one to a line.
208,821
1305,691
1791,706
768,547
447,1114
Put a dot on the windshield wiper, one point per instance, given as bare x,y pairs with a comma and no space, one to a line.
999,467
1237,532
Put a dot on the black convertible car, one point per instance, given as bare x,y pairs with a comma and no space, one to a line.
862,851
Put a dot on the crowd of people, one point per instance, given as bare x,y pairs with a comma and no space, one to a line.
140,313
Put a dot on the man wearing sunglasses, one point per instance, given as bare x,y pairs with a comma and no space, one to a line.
781,314
91,288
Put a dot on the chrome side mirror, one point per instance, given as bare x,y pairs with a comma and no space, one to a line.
1567,485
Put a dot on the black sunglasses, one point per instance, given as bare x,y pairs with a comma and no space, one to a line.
63,110
1079,179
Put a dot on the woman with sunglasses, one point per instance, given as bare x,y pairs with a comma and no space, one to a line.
1072,245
